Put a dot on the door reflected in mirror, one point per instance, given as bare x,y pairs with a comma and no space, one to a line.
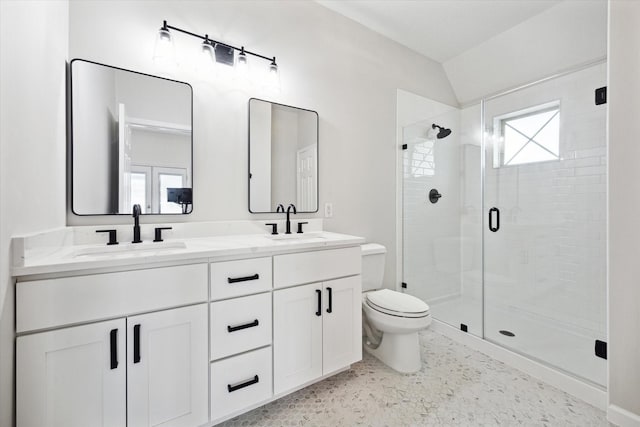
131,142
283,157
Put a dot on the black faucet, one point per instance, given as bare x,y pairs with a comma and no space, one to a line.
280,208
288,221
136,223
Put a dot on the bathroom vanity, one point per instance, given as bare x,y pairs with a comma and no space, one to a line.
189,332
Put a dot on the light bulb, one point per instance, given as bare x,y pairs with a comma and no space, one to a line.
206,58
241,62
273,77
242,68
164,52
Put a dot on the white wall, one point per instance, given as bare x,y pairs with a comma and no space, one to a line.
33,50
624,205
328,63
563,36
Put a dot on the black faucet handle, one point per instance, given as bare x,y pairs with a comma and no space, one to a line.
300,227
113,240
158,237
274,227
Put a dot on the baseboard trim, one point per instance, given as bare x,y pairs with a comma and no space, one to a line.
622,417
591,394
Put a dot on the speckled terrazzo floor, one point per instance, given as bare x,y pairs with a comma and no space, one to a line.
457,386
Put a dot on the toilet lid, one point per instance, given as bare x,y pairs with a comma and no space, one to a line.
397,303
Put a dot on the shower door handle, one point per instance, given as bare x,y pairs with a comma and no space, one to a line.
497,215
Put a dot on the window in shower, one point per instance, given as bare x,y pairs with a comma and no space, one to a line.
527,136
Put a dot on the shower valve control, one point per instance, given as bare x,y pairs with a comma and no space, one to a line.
434,195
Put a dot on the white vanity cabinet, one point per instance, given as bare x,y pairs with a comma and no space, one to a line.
317,326
184,342
167,368
145,369
73,377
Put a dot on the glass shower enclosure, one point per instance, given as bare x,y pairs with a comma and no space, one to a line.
514,249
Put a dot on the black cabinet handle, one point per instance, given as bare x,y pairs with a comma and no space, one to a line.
232,388
136,344
243,279
113,338
330,308
491,226
300,224
319,293
241,327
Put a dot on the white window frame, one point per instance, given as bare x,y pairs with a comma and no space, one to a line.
498,133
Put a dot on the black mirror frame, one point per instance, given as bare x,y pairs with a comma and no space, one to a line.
69,110
249,155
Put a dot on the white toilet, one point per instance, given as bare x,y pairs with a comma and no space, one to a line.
391,320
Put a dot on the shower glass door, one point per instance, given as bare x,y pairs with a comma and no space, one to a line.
441,211
544,230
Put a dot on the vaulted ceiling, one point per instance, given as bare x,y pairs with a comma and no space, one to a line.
439,29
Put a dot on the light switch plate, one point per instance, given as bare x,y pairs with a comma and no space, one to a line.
328,210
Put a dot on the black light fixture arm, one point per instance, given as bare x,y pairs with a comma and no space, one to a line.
166,26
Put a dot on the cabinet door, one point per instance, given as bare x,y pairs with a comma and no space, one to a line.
297,336
72,377
342,323
167,365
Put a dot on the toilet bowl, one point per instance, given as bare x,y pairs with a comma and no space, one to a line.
391,320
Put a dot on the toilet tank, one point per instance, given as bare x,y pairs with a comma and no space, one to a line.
373,256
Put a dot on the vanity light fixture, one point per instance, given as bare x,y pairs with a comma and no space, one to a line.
222,53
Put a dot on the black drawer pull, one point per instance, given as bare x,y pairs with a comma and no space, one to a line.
330,308
232,388
113,335
319,294
243,279
241,327
136,344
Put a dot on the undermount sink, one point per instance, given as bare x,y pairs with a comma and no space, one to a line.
297,236
128,249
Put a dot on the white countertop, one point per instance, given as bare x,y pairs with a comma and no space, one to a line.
84,258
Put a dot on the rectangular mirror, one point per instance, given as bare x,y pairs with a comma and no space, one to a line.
283,157
131,142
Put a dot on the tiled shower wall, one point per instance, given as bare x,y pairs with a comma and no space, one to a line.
431,255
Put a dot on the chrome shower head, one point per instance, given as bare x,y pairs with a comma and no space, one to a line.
443,132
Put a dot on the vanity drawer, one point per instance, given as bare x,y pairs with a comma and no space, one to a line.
68,300
240,381
240,324
242,277
309,267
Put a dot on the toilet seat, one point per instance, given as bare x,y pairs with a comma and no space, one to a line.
396,303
